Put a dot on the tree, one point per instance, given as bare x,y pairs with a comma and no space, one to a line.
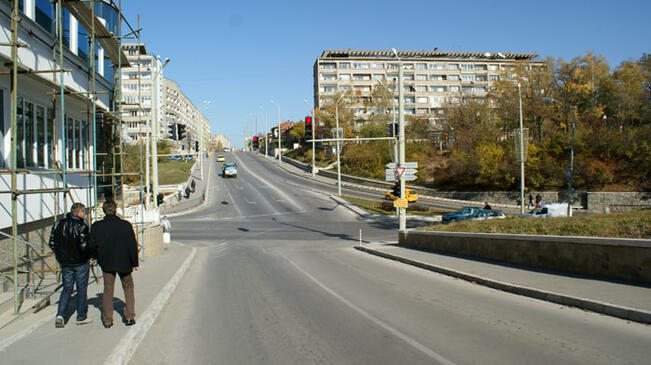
298,132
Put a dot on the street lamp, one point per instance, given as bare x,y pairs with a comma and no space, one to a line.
401,140
280,154
521,152
313,149
570,169
338,154
154,140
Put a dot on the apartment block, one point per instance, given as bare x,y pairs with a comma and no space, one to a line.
431,79
142,85
177,108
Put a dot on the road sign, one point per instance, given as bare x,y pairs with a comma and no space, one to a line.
400,203
408,165
400,171
410,171
409,177
390,175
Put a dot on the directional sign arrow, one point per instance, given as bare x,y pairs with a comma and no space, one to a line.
410,177
409,165
410,171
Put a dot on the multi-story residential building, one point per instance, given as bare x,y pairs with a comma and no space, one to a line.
432,79
54,125
219,140
142,85
178,109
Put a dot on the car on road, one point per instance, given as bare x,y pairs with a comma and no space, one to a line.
221,158
461,214
230,171
486,214
174,158
227,149
412,196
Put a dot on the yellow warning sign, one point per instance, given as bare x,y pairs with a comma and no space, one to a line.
400,203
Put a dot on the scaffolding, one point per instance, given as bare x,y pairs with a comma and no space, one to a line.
109,121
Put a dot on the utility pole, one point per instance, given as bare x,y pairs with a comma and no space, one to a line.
338,155
521,154
199,153
401,142
266,136
280,154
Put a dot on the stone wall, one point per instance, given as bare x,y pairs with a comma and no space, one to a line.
620,259
598,202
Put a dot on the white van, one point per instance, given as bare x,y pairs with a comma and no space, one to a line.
548,210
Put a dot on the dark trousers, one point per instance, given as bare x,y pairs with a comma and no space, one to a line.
70,276
107,296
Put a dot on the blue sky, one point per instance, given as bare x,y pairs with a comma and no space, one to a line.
241,54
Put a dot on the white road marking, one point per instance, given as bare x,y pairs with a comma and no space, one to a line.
234,205
424,349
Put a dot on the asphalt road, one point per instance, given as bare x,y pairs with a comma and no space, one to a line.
276,281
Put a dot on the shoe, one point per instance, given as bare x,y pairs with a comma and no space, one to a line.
107,325
85,321
131,322
59,322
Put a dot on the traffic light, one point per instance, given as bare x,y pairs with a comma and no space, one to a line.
256,142
172,131
308,128
396,189
181,133
392,129
196,146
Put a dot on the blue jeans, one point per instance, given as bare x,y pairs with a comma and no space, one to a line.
72,275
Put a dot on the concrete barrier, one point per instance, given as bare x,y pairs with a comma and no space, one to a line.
619,259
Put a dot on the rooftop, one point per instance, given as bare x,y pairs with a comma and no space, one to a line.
352,53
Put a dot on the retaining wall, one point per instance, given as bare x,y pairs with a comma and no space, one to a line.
620,259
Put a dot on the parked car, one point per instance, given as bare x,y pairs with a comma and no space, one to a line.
548,210
460,214
412,196
175,158
485,214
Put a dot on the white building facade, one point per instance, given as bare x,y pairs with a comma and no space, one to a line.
178,109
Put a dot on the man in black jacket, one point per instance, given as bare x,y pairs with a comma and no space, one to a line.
69,241
117,253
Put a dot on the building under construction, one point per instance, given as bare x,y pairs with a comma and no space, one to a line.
60,122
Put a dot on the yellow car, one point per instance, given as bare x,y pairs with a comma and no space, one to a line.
411,195
221,158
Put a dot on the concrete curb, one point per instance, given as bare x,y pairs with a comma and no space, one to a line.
354,208
631,314
125,349
203,204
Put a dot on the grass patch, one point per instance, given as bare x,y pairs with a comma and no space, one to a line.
634,224
174,172
386,207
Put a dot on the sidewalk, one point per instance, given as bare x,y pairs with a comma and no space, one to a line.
199,195
618,299
34,339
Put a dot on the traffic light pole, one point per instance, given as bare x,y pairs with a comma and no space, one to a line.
401,142
313,143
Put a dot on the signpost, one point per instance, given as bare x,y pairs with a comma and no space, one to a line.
407,165
400,203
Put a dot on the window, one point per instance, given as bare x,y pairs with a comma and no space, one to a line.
41,151
408,66
454,89
378,77
362,77
436,66
345,65
29,134
453,66
328,88
493,67
365,88
438,77
421,88
344,77
454,100
421,111
422,100
328,77
408,78
44,15
361,65
481,67
467,77
377,66
410,111
437,89
453,77
467,66
421,77
409,99
493,77
392,66
421,66
329,66
481,78
70,142
82,43
437,99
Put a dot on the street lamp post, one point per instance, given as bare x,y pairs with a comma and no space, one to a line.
266,149
280,154
338,154
401,141
521,153
570,169
313,149
155,135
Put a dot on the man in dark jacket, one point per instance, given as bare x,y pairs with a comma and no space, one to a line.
117,253
69,241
